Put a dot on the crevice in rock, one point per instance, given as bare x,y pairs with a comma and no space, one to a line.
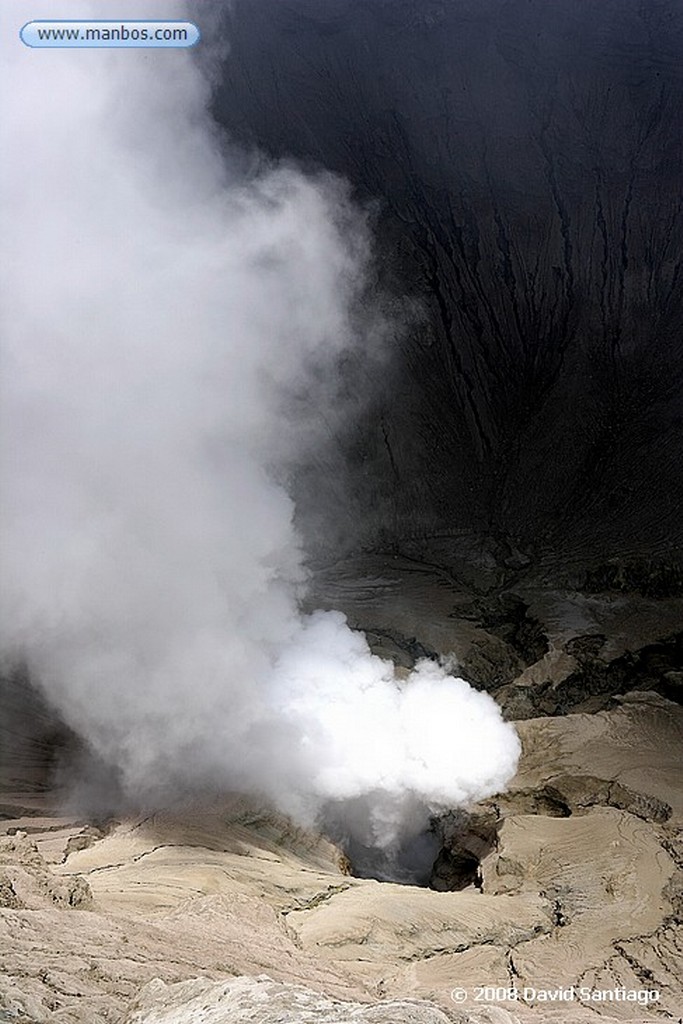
559,900
404,651
544,800
513,973
507,617
591,687
564,795
651,578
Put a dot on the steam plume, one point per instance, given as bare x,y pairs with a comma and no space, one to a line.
172,323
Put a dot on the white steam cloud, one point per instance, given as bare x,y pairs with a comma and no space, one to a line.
171,329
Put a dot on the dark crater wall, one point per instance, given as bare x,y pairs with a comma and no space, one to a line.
526,162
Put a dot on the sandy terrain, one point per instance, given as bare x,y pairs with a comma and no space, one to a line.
93,914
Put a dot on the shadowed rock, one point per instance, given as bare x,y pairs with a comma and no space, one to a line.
525,162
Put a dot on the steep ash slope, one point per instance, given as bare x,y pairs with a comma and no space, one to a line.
526,158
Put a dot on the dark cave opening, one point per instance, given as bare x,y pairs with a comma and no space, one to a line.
454,870
410,862
466,839
445,856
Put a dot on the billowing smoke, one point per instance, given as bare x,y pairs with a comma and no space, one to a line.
174,318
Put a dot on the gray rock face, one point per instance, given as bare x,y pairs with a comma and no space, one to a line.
526,160
31,737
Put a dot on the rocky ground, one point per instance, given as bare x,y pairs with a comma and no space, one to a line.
228,912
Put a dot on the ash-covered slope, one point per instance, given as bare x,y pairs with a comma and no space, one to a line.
178,915
526,158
